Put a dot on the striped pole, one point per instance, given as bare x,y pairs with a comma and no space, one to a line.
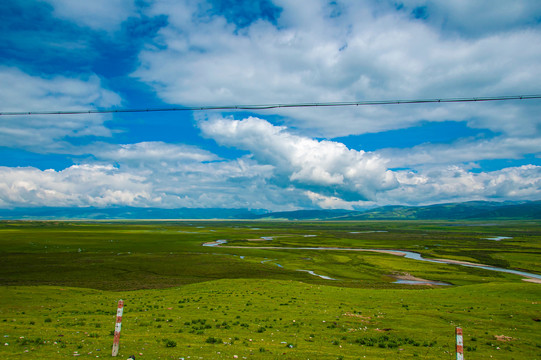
118,325
459,344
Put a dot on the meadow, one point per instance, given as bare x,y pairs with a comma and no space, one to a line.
61,282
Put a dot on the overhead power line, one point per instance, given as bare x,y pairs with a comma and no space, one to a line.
274,106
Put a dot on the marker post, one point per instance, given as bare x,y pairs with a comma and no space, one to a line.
459,344
118,325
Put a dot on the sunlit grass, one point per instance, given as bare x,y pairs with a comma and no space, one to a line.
61,282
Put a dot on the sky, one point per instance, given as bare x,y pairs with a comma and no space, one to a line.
64,55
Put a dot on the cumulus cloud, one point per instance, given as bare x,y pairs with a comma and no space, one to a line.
333,202
150,174
302,51
362,51
333,176
462,151
78,185
455,183
279,176
325,167
188,176
34,93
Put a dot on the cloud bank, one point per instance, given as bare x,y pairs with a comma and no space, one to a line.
78,185
28,92
69,55
284,171
454,184
346,51
325,167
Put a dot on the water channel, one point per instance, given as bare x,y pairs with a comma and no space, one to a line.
417,256
407,254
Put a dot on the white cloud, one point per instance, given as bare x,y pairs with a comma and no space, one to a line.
333,202
368,52
78,185
151,152
190,177
333,176
462,151
96,14
454,184
142,176
33,93
475,18
316,51
325,167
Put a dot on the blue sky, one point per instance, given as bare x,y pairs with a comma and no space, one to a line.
106,54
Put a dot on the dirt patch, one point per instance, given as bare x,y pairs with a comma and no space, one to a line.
358,316
532,280
503,338
392,252
407,276
460,262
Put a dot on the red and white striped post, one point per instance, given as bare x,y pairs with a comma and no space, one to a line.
459,344
118,325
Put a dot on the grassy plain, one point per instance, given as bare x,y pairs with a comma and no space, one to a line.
60,282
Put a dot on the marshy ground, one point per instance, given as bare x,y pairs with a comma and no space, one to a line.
61,282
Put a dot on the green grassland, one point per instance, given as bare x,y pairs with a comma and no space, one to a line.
60,282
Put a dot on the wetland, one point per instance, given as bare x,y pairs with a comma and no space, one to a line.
61,280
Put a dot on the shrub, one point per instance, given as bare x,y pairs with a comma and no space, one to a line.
170,343
213,340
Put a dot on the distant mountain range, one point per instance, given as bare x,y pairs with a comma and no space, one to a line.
128,213
473,210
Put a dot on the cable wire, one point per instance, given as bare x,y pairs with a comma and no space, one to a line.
274,106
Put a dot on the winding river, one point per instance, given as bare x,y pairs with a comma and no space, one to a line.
417,256
407,254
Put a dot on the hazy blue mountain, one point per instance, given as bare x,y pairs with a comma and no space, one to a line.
454,211
125,213
473,210
305,214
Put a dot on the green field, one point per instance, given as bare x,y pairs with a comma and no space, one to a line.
61,282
